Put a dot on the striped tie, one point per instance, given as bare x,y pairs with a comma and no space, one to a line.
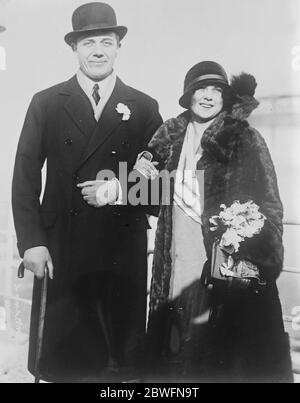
95,93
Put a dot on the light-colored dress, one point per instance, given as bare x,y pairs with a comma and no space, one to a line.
188,297
188,252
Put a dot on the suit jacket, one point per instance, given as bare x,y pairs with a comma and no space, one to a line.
60,129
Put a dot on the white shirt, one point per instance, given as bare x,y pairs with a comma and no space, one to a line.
106,88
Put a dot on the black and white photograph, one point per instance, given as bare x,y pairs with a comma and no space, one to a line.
149,193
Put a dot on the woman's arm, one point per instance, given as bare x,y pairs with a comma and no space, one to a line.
266,249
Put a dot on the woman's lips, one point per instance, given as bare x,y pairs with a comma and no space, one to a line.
208,106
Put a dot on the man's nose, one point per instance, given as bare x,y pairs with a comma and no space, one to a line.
98,51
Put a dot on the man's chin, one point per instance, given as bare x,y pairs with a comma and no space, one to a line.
98,75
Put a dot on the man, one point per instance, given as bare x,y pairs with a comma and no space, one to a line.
97,257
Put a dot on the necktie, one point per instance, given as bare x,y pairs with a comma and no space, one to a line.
95,93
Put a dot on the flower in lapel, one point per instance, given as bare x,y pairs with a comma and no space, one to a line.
123,110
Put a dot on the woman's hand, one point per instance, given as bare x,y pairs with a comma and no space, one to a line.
226,268
145,166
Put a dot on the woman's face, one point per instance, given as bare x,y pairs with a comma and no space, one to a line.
207,102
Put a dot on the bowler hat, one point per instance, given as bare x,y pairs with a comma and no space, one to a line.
92,17
206,72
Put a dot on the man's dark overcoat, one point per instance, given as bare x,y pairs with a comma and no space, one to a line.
95,251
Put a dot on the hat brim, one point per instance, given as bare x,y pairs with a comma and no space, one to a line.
71,37
185,100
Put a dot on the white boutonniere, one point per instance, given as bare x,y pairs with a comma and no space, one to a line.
123,110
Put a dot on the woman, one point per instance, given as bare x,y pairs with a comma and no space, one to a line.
196,333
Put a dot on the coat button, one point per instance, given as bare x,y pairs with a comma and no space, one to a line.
125,144
68,142
74,212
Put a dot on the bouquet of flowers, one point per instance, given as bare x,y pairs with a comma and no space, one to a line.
233,226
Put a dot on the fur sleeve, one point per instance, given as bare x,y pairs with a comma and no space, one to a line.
160,142
266,249
167,134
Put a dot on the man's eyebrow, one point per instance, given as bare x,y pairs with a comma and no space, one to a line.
105,38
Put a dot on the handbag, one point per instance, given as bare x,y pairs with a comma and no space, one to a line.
242,274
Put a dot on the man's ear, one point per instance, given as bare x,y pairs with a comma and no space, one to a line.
74,47
119,48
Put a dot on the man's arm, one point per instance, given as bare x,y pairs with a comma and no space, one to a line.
26,191
153,121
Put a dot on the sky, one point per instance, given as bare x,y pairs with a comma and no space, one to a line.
165,38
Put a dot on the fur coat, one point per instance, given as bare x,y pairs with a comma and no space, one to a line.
237,166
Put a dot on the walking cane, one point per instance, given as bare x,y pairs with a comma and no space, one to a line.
41,322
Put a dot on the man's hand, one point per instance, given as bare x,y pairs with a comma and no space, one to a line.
99,193
36,259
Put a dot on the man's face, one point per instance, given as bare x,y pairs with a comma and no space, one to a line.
207,102
97,54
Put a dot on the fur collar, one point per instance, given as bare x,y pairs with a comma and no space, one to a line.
221,137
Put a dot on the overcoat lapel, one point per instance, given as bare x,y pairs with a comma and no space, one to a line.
109,121
79,107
